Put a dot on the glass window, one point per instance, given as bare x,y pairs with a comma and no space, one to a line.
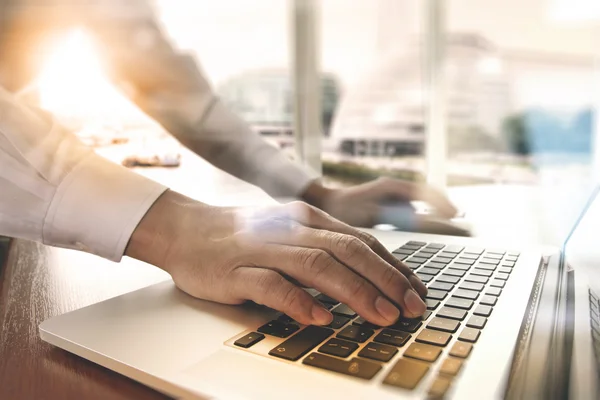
373,47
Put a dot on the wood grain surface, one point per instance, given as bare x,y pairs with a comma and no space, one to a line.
37,282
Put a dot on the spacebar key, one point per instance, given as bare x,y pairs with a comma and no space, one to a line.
355,367
301,343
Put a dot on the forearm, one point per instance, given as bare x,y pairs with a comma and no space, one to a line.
227,142
57,191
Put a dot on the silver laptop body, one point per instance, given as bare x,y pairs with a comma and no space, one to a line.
538,338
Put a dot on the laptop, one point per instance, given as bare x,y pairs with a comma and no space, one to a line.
501,323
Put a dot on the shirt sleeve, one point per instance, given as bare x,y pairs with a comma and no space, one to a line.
55,190
171,87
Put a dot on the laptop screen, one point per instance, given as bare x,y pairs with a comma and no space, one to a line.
582,253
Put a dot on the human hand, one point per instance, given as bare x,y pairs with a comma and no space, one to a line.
386,201
229,255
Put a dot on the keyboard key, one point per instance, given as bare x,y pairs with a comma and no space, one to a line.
461,267
429,271
496,251
461,349
476,278
441,286
513,254
432,304
452,313
278,329
434,337
286,319
448,279
462,260
400,257
498,283
484,311
424,254
511,258
428,250
436,246
469,335
379,352
425,315
493,256
323,298
407,324
409,247
451,366
502,276
472,286
412,266
487,267
338,321
463,304
455,272
423,352
355,333
424,277
415,243
301,343
249,340
441,260
338,347
465,294
344,311
505,270
482,272
443,324
405,252
476,322
392,337
439,387
488,300
447,255
436,265
418,260
493,291
508,264
406,374
436,294
469,256
360,321
474,250
355,367
453,249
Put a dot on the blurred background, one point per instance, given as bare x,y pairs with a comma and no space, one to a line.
512,99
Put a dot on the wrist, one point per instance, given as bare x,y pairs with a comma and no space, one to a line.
159,229
316,194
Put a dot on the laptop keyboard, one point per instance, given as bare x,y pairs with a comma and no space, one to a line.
595,326
463,287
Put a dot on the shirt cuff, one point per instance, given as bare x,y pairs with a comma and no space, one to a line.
97,207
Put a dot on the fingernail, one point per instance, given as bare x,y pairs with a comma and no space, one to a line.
321,316
387,309
414,303
417,283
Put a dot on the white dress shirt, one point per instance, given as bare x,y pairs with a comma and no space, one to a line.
55,190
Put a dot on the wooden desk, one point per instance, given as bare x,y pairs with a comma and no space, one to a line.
37,283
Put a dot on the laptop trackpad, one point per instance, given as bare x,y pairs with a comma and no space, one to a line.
233,374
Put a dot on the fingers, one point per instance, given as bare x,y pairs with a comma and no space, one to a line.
316,218
316,268
267,287
344,268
